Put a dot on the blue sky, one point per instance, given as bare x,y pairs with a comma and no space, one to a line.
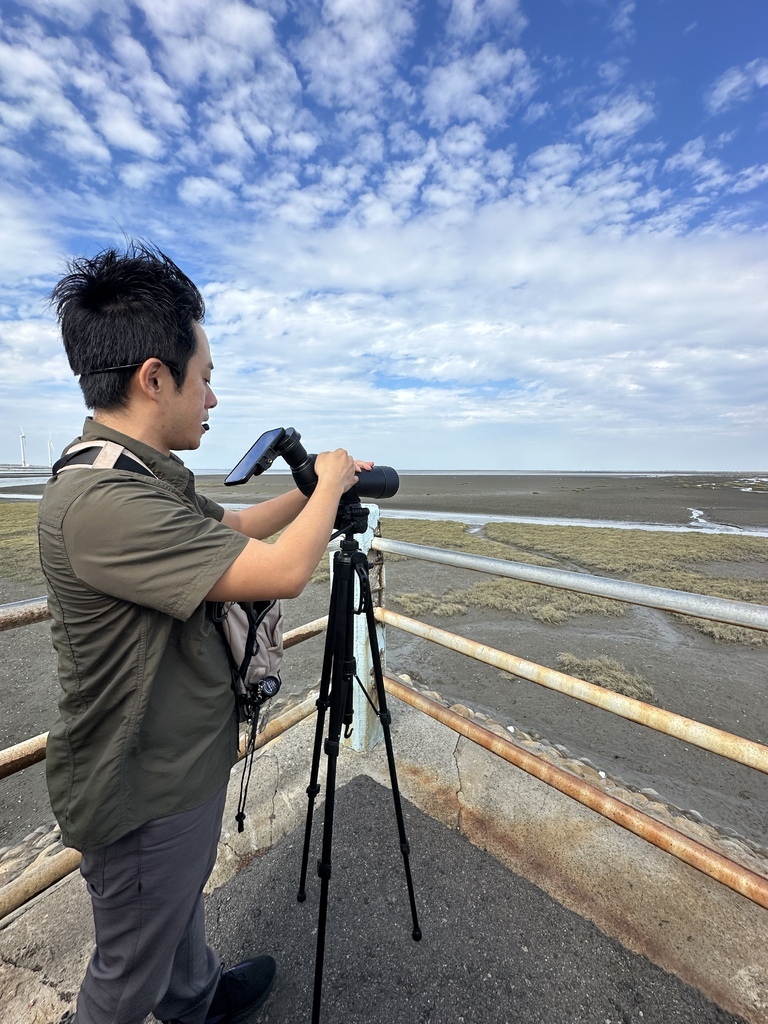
457,234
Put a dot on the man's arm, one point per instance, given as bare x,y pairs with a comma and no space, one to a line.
266,571
268,517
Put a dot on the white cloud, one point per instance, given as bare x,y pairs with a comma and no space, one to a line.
618,119
161,105
77,13
142,174
750,178
708,172
301,143
488,87
621,22
200,42
536,111
471,18
612,71
204,191
225,136
34,82
557,162
736,85
119,124
352,50
453,245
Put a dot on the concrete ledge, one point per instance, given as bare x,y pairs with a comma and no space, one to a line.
712,938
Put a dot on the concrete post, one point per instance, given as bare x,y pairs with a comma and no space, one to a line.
367,731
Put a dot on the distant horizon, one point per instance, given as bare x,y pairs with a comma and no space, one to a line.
41,470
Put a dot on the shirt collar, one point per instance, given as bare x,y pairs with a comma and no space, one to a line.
168,468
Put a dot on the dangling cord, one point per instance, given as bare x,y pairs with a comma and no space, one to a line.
250,751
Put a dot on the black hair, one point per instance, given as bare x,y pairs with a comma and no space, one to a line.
118,310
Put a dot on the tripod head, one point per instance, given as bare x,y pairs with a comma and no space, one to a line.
351,517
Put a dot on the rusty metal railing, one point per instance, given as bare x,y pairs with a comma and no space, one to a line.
699,856
737,748
42,875
23,613
45,873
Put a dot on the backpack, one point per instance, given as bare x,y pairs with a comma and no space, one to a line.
253,637
252,631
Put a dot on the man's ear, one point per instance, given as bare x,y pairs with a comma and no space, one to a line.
151,378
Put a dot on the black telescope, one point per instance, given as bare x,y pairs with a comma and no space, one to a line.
379,482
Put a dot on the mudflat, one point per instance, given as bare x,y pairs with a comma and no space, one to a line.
724,684
738,500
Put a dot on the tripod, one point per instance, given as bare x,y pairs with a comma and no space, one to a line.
339,672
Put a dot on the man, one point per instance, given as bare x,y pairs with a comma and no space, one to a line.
139,760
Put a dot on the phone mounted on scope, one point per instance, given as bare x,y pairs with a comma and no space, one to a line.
379,482
258,458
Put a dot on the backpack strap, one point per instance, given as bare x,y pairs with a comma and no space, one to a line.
100,455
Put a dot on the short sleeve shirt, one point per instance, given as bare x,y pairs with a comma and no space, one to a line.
147,724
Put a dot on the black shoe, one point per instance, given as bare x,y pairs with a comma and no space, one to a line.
241,990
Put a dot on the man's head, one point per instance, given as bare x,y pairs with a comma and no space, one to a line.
119,309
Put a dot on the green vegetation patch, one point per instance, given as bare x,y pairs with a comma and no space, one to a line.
609,673
628,551
19,556
545,604
456,537
657,558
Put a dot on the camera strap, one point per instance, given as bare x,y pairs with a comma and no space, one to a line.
100,455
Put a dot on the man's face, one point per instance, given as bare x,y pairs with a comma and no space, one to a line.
188,408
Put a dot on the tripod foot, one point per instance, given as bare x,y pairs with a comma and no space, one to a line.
416,934
301,897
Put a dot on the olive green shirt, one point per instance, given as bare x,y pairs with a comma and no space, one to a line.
147,723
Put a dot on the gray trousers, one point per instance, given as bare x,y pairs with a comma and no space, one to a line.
147,894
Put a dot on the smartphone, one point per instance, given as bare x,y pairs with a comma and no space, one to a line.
258,458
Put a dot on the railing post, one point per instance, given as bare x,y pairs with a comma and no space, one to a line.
367,730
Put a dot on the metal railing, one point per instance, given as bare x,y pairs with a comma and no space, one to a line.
736,748
736,613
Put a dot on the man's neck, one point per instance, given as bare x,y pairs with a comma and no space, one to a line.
132,425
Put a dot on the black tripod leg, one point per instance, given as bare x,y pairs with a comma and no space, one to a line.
385,718
342,675
323,704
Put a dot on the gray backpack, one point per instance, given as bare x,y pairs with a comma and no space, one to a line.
253,637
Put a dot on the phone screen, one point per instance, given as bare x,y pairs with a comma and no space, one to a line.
258,458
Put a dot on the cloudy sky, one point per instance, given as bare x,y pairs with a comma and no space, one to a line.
446,234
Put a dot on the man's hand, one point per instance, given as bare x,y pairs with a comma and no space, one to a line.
265,571
338,467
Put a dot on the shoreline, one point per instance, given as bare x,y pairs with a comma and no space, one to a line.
721,501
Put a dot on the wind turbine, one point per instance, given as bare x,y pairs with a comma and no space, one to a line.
23,450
